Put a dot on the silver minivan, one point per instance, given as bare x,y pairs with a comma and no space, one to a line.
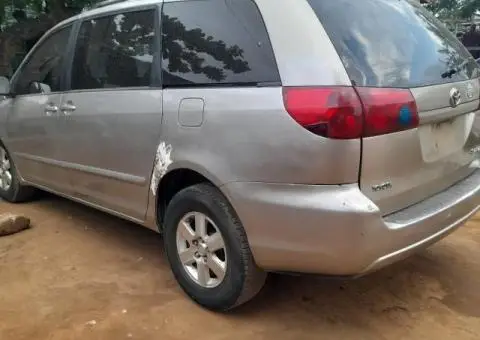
297,136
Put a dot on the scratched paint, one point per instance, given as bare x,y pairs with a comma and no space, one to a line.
163,159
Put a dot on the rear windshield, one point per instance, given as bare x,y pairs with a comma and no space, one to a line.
393,43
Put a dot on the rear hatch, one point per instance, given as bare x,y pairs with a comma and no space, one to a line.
398,45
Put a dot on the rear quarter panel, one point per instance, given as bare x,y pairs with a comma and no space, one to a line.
247,136
304,53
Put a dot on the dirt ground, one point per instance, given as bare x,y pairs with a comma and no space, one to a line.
81,274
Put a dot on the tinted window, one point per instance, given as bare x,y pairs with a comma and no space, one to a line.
45,64
215,42
393,43
115,51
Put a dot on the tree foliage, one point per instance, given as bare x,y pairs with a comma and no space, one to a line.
463,9
42,6
16,9
12,11
185,53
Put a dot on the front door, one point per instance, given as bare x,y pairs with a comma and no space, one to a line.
34,111
111,117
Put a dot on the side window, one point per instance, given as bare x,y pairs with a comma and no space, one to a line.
215,42
115,51
45,64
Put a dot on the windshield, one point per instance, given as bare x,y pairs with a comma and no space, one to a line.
393,43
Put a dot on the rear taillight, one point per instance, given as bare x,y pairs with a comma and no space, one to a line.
350,113
329,112
388,110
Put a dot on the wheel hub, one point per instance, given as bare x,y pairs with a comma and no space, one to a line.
201,249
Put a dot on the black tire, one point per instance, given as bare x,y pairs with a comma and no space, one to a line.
243,279
17,192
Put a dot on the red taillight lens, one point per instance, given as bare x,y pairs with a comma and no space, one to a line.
349,113
329,112
388,110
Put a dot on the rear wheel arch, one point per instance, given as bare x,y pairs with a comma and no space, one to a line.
175,181
242,279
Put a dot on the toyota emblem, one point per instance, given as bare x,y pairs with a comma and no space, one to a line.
455,97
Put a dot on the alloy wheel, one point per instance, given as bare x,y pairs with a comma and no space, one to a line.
201,249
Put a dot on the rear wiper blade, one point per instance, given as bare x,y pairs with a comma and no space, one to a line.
455,70
449,73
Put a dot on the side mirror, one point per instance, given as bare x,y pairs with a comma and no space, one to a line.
36,87
4,86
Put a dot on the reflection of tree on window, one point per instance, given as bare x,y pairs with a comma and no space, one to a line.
45,65
451,54
181,47
215,42
115,51
131,43
47,70
121,50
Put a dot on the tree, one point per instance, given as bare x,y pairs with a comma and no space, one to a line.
185,53
462,9
33,8
23,22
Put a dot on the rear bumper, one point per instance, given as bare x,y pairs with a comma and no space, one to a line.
336,230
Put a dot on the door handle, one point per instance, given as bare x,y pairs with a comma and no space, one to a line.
51,109
68,108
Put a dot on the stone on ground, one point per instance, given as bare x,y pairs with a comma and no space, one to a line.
11,224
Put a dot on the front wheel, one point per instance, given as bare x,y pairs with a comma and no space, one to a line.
208,251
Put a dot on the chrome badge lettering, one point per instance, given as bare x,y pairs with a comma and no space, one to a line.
470,91
474,150
382,187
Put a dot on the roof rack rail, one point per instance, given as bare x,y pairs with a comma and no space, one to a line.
107,3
